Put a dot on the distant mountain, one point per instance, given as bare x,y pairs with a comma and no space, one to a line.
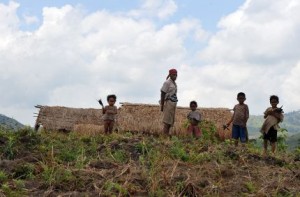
9,123
294,141
291,122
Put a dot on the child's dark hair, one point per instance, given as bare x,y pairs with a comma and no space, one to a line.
241,94
193,102
274,97
112,96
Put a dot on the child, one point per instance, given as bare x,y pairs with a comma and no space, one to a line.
239,119
273,116
194,118
110,111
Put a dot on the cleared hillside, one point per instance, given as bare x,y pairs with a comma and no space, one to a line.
129,164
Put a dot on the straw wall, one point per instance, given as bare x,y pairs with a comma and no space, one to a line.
148,118
88,129
131,117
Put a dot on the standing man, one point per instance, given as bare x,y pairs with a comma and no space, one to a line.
168,100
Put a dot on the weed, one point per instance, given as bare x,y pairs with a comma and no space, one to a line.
90,150
3,177
281,140
86,140
48,174
200,158
19,184
6,188
157,193
177,151
56,175
142,147
28,137
179,186
208,130
128,134
119,156
16,188
9,149
68,155
250,187
114,188
25,171
81,159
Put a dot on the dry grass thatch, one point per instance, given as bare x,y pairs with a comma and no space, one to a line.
148,118
64,118
88,129
144,118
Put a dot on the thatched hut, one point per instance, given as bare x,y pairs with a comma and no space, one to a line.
56,118
144,118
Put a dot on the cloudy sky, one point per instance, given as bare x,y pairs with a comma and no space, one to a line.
70,53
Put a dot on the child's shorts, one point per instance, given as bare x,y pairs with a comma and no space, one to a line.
239,132
194,130
271,135
109,121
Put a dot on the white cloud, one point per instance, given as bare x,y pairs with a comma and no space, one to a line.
260,31
73,58
30,19
8,23
290,88
259,41
155,8
8,19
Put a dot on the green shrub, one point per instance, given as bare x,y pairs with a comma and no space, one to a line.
208,129
177,150
10,149
119,156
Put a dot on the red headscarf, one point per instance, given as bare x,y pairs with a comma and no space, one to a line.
172,72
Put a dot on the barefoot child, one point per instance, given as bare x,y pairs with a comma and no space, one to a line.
273,116
194,118
239,119
110,111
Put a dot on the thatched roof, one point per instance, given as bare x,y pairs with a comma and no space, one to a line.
131,117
